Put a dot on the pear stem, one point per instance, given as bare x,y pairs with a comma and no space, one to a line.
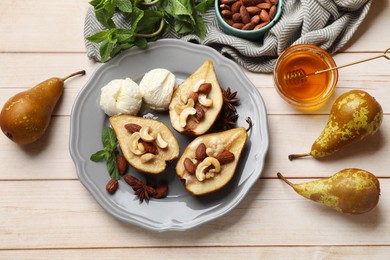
295,156
280,176
250,123
81,72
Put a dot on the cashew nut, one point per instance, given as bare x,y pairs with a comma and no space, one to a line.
201,173
147,157
204,101
210,151
144,133
135,148
161,142
197,85
185,114
179,108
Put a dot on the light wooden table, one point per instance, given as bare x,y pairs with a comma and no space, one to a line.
46,212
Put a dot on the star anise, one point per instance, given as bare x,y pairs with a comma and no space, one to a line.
143,191
229,116
230,99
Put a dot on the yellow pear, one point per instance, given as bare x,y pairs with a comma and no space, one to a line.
354,116
350,191
26,116
147,144
197,102
209,161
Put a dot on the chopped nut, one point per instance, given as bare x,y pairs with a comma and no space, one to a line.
161,142
189,166
147,157
134,141
204,101
200,152
205,88
203,168
225,157
185,114
132,128
149,147
197,85
193,96
199,112
179,108
144,133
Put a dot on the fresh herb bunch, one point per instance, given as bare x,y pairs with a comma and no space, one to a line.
109,152
148,19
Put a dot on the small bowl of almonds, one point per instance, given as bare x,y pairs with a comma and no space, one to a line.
248,19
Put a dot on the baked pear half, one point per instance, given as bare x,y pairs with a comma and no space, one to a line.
197,102
147,144
209,161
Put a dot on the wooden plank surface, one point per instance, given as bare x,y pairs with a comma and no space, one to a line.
46,212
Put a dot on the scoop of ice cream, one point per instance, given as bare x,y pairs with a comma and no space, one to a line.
121,96
157,87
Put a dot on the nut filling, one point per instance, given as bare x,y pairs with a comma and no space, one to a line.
144,143
195,104
208,161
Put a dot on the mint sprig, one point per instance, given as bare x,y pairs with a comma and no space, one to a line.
109,152
149,19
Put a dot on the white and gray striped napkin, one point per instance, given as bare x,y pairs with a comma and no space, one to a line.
325,23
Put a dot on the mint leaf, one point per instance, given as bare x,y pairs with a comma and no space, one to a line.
109,139
112,166
136,17
125,6
98,156
105,50
149,22
201,29
99,36
204,6
124,36
141,42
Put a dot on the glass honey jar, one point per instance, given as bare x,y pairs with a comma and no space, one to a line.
292,79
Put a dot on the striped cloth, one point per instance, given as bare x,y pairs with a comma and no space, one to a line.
325,23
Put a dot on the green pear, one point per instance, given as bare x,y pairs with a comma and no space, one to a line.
354,116
350,191
26,116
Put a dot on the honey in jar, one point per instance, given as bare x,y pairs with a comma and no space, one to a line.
305,92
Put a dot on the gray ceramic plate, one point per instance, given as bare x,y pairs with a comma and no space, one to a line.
180,210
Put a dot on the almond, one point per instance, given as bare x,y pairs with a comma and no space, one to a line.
264,16
205,88
253,10
121,163
200,152
199,112
149,147
161,191
236,17
249,26
194,96
272,12
112,186
225,157
132,128
189,166
236,7
245,16
264,5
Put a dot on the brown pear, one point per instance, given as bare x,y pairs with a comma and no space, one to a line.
350,191
26,116
197,102
354,116
209,162
147,144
